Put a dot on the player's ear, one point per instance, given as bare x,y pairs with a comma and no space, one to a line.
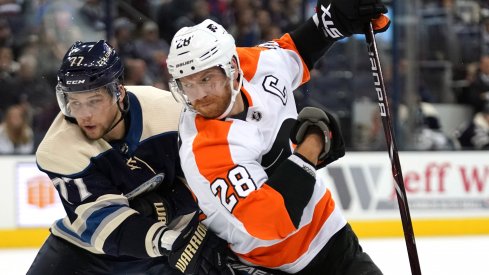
121,92
234,67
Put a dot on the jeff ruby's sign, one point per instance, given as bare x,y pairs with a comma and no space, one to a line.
437,184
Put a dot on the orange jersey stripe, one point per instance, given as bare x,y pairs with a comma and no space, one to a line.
290,249
248,60
264,215
256,211
211,149
249,57
248,96
286,42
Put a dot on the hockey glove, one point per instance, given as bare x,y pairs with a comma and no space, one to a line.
193,249
334,145
337,148
341,18
152,205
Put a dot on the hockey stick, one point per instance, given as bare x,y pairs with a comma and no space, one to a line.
393,152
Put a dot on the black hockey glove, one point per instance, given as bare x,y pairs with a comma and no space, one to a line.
334,145
195,250
152,205
341,18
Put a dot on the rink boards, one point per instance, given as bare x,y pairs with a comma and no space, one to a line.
448,194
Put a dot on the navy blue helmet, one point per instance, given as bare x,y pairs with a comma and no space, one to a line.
89,65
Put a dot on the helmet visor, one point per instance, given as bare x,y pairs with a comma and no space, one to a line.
89,102
207,83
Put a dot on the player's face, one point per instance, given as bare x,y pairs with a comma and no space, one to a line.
94,112
208,91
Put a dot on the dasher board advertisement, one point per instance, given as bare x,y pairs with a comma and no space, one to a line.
438,184
38,203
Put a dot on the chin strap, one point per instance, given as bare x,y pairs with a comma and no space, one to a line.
123,112
234,93
115,124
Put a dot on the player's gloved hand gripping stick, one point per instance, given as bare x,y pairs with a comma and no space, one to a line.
334,145
342,18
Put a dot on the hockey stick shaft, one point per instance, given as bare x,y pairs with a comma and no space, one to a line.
393,152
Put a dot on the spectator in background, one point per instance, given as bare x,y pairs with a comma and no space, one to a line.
220,9
8,69
124,38
7,38
7,96
200,11
176,14
31,88
35,93
270,33
277,12
8,66
463,75
16,136
263,21
135,72
478,91
11,11
373,136
169,14
475,134
428,134
293,13
247,33
485,34
153,50
47,49
94,13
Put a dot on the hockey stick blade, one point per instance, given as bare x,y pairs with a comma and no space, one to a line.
392,149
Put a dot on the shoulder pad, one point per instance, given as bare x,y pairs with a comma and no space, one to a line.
65,150
161,112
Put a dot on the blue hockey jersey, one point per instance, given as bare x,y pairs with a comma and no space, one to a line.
96,180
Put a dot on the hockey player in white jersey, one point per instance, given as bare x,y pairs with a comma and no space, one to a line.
250,158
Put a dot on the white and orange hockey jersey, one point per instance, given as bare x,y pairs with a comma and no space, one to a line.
228,164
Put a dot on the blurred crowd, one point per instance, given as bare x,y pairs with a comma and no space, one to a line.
34,35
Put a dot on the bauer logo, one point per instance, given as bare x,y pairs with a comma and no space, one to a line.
184,63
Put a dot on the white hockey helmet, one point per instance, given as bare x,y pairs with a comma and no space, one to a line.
200,47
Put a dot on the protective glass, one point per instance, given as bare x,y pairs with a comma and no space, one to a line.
187,91
76,104
197,89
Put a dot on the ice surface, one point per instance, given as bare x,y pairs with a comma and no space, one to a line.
438,256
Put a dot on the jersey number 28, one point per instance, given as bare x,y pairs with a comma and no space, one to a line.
241,183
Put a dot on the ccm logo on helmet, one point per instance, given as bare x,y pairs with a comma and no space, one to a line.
74,82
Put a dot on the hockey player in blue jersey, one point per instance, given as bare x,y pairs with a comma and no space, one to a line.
112,155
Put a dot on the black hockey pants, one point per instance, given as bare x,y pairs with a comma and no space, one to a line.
59,257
